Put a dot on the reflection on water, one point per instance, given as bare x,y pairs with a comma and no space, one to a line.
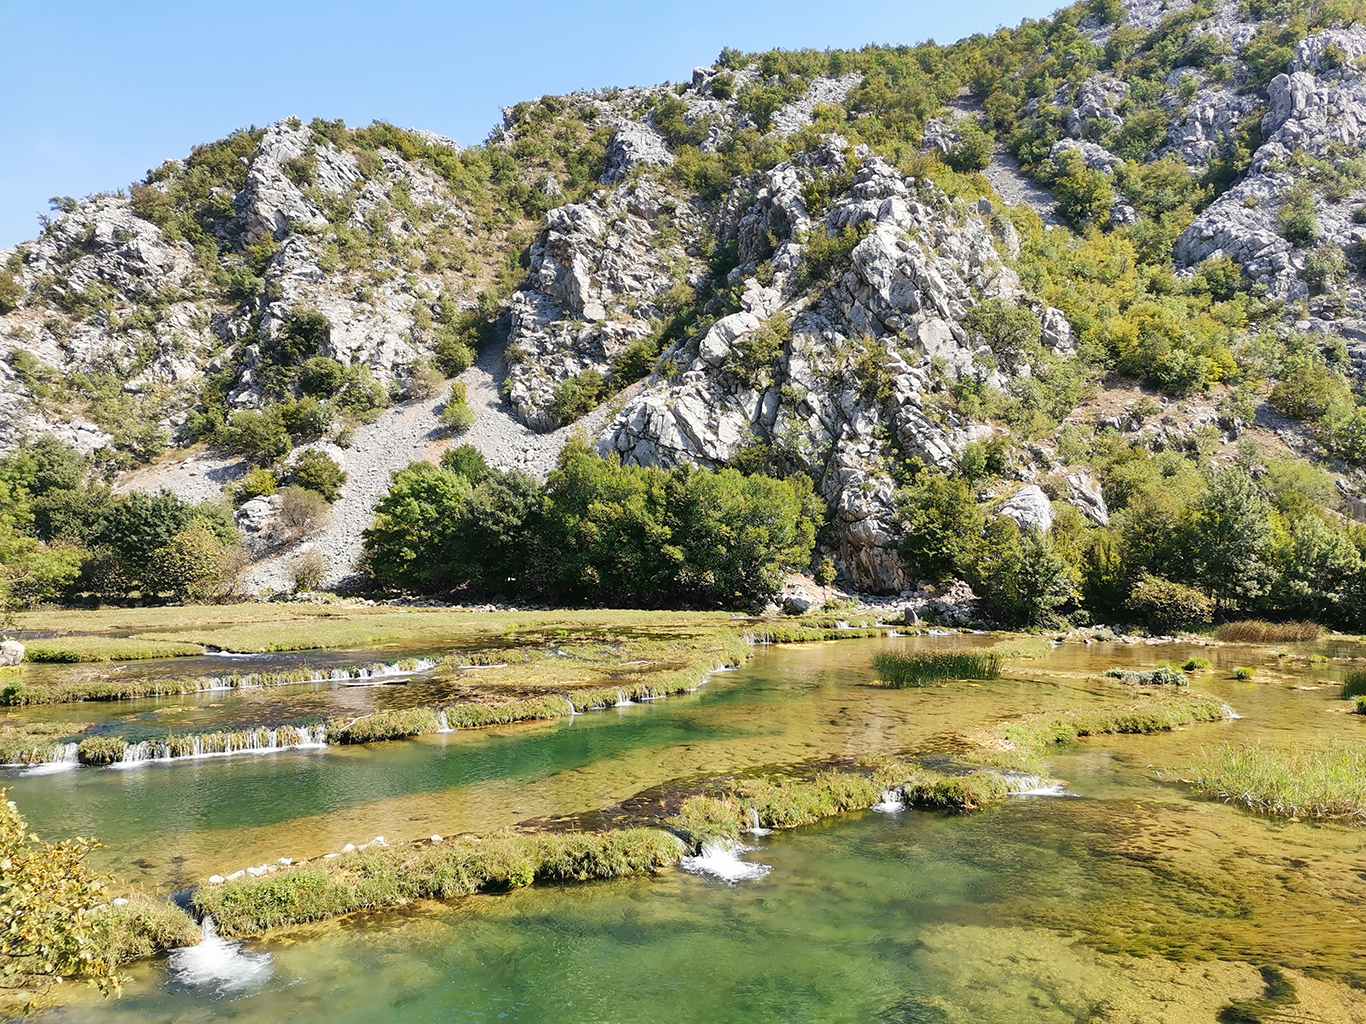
1128,901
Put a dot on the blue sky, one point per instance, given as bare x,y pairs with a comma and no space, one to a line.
97,92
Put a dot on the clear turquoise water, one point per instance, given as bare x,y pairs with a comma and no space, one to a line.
1131,901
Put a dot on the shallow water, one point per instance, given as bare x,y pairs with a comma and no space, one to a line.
1128,901
169,824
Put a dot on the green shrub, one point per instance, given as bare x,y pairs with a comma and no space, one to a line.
456,416
1195,665
1083,195
318,472
1297,217
302,335
973,150
578,396
306,419
635,361
1243,672
259,436
321,376
1167,606
11,292
256,483
1324,267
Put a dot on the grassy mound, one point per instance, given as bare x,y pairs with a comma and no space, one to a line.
392,876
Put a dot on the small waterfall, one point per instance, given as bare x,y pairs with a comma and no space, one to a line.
442,722
891,801
45,760
623,701
1018,784
225,744
756,829
721,860
217,962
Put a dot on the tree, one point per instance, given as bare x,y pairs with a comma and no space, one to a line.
1084,196
1233,531
1318,570
47,894
739,535
1027,580
1167,606
193,566
942,526
404,545
606,532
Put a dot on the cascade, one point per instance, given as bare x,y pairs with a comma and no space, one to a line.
217,962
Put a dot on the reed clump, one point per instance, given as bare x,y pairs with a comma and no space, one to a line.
392,876
789,803
1281,782
897,669
1259,631
1163,675
70,650
37,742
1353,685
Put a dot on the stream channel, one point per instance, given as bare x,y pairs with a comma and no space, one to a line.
1121,898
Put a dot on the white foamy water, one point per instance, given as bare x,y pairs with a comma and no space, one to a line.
217,963
890,802
1035,785
256,741
722,860
46,760
755,829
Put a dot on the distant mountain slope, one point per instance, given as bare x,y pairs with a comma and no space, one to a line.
821,262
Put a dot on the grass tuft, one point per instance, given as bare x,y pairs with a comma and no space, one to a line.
1354,685
1196,665
1327,782
897,670
1244,672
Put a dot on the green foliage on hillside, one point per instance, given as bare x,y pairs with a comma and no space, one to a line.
63,535
598,533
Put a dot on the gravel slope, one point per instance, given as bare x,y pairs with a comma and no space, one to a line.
407,433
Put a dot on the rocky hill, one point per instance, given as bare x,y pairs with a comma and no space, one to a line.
1124,221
